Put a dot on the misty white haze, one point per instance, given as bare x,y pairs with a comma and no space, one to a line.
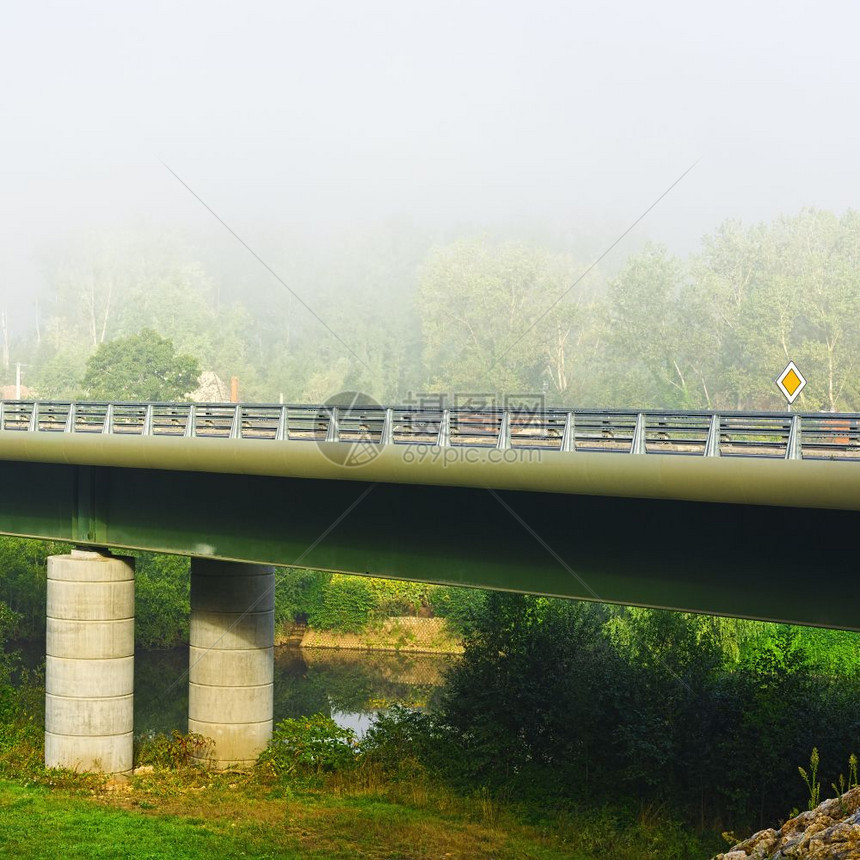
319,121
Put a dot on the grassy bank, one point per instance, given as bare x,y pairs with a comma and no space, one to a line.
189,814
399,634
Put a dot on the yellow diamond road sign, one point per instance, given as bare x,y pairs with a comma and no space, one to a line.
791,382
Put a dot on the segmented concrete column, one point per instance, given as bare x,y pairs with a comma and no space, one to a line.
89,667
231,660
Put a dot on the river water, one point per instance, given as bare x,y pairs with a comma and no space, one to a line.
349,686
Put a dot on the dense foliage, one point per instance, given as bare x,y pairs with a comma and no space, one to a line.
22,698
162,599
581,701
345,603
480,317
348,603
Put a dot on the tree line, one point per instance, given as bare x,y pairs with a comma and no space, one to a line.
414,312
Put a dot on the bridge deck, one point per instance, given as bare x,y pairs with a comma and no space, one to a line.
737,514
780,459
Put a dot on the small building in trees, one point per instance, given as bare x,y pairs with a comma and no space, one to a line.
9,392
211,389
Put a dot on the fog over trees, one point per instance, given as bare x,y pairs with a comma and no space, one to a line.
400,313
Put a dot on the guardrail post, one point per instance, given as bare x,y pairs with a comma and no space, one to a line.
283,431
443,440
637,445
190,429
568,437
794,445
504,440
332,434
387,435
108,425
712,443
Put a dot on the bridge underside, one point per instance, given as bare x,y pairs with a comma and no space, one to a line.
771,563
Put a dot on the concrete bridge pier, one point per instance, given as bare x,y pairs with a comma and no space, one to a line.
89,663
231,659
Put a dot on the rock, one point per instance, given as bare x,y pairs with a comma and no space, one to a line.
760,845
144,768
831,831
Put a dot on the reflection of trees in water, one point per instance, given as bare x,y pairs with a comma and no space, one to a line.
354,680
307,681
398,667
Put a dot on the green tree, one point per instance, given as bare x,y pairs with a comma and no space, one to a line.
143,366
821,255
490,323
113,283
654,361
768,293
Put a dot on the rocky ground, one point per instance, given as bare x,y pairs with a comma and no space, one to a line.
831,831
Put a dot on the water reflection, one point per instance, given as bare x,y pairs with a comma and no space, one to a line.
351,686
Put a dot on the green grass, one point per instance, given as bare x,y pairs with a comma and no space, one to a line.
192,815
36,823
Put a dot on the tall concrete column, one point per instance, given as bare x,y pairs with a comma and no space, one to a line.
231,660
89,667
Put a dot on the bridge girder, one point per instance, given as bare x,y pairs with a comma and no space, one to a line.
774,563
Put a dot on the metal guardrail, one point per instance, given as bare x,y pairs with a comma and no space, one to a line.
730,434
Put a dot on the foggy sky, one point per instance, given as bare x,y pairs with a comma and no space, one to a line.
339,113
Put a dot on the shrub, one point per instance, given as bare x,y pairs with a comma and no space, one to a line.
173,751
394,597
8,664
307,746
401,736
22,723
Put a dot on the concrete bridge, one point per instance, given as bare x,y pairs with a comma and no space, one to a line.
744,514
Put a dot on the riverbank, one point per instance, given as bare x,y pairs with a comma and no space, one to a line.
404,634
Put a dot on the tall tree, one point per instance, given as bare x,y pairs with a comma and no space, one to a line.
504,319
822,253
648,338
